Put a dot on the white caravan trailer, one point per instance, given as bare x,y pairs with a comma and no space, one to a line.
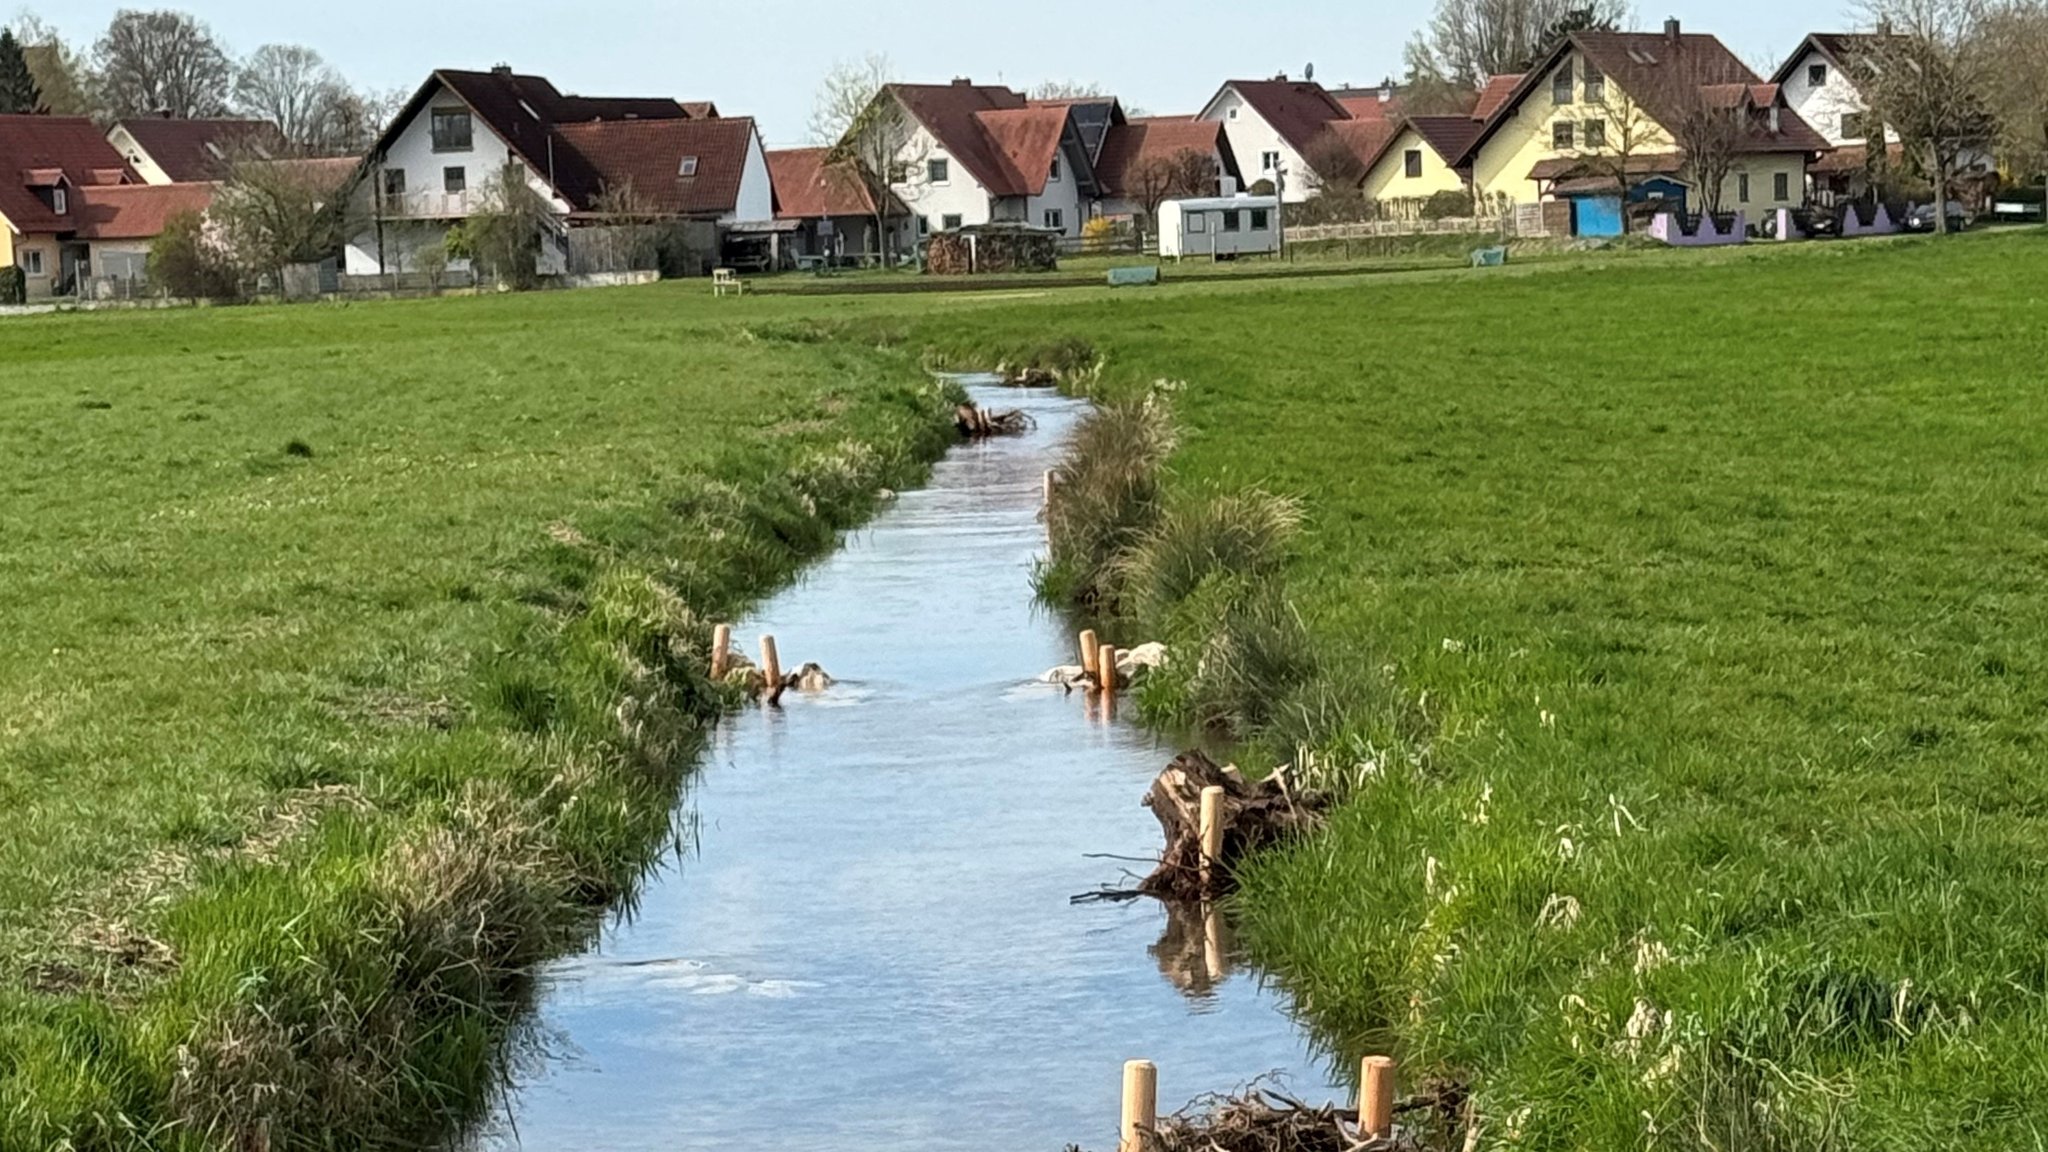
1219,226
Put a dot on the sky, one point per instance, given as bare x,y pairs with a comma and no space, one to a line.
764,58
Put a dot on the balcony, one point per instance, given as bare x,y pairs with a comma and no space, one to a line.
429,205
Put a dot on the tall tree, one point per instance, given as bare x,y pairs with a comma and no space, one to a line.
1709,133
19,95
162,62
1467,41
1928,75
2016,37
868,132
1067,90
60,72
293,88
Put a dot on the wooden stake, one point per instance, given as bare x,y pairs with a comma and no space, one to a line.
1376,1099
771,667
1215,956
721,651
1090,649
1052,483
1105,669
1141,1105
1212,834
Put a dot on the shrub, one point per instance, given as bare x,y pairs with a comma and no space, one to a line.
1450,204
1236,535
184,261
13,285
1240,651
1108,497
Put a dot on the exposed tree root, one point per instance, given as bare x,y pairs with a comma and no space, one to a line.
1254,815
979,423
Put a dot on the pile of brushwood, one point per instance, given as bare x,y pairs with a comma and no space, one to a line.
1254,815
1261,1119
979,423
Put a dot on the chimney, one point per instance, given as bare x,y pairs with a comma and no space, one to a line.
164,112
962,82
1387,90
1671,30
501,69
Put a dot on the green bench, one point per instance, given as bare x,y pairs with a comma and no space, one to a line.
1133,277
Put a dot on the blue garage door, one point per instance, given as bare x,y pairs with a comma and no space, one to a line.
1596,216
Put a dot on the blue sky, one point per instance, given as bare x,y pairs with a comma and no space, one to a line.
764,57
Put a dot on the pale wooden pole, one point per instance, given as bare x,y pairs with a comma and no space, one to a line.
771,667
721,651
1105,660
1052,483
1376,1098
1141,1105
1212,834
1091,647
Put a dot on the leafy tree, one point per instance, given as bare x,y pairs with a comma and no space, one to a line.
503,238
185,261
1928,75
19,94
273,213
163,61
2016,37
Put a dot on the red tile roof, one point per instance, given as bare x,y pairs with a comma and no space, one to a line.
1447,136
1028,141
1146,139
1371,107
808,186
951,113
1364,139
137,211
648,156
190,150
71,146
1495,94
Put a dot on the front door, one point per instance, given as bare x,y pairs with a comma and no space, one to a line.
74,264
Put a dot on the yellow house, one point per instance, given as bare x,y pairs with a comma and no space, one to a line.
1419,160
1647,114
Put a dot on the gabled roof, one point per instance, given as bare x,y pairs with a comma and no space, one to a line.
1447,136
1364,139
1155,138
1296,109
1006,142
137,211
649,156
196,150
1663,72
1495,94
70,148
1027,141
1836,47
808,186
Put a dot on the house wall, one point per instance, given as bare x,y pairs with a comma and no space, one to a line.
1063,195
756,201
1389,179
960,195
44,286
124,258
1251,137
6,243
1761,168
1823,106
144,165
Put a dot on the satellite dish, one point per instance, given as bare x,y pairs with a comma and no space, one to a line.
1309,73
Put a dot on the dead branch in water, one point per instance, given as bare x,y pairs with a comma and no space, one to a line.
1254,815
1261,1119
978,423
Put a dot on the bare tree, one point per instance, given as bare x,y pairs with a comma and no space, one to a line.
293,88
63,80
356,118
868,132
2015,36
1927,75
1068,90
1617,143
162,62
272,213
1467,41
1336,173
1709,130
503,237
1156,179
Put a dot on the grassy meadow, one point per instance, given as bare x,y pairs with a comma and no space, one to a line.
1677,632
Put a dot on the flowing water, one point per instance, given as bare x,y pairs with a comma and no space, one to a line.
870,944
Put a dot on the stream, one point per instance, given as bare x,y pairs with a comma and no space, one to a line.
869,942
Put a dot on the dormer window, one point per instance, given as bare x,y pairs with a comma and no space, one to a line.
689,167
59,202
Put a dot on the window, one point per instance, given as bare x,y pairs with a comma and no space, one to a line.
454,180
1269,162
1781,186
32,261
1198,222
1816,75
1561,86
1852,126
1262,220
1596,133
689,167
1411,163
924,225
1596,85
1742,188
1056,219
1561,134
1233,220
938,171
1055,169
451,130
1233,113
60,201
949,223
394,182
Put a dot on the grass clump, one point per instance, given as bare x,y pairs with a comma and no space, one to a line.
1108,497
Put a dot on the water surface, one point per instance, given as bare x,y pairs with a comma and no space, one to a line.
871,944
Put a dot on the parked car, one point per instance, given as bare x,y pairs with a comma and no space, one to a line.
1921,218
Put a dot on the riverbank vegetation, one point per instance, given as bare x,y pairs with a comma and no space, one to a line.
350,662
1672,630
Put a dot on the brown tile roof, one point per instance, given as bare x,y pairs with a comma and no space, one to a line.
648,156
951,113
808,186
138,211
72,147
1297,109
1371,107
1495,94
194,150
1447,136
1566,167
1027,140
1149,138
1364,139
1851,158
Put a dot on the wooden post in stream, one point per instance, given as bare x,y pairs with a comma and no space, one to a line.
771,667
1091,647
1376,1099
1105,671
721,652
1052,484
1212,836
1141,1105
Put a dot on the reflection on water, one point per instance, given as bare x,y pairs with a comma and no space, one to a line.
871,944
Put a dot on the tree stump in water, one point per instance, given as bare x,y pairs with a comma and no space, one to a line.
977,423
1253,815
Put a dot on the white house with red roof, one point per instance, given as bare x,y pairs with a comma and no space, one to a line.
1280,129
976,154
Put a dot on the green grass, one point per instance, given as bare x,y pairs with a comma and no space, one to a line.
1682,630
350,657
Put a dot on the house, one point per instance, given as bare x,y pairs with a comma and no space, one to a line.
1420,159
1293,138
1601,103
1146,160
832,209
972,154
47,166
120,223
594,161
167,151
